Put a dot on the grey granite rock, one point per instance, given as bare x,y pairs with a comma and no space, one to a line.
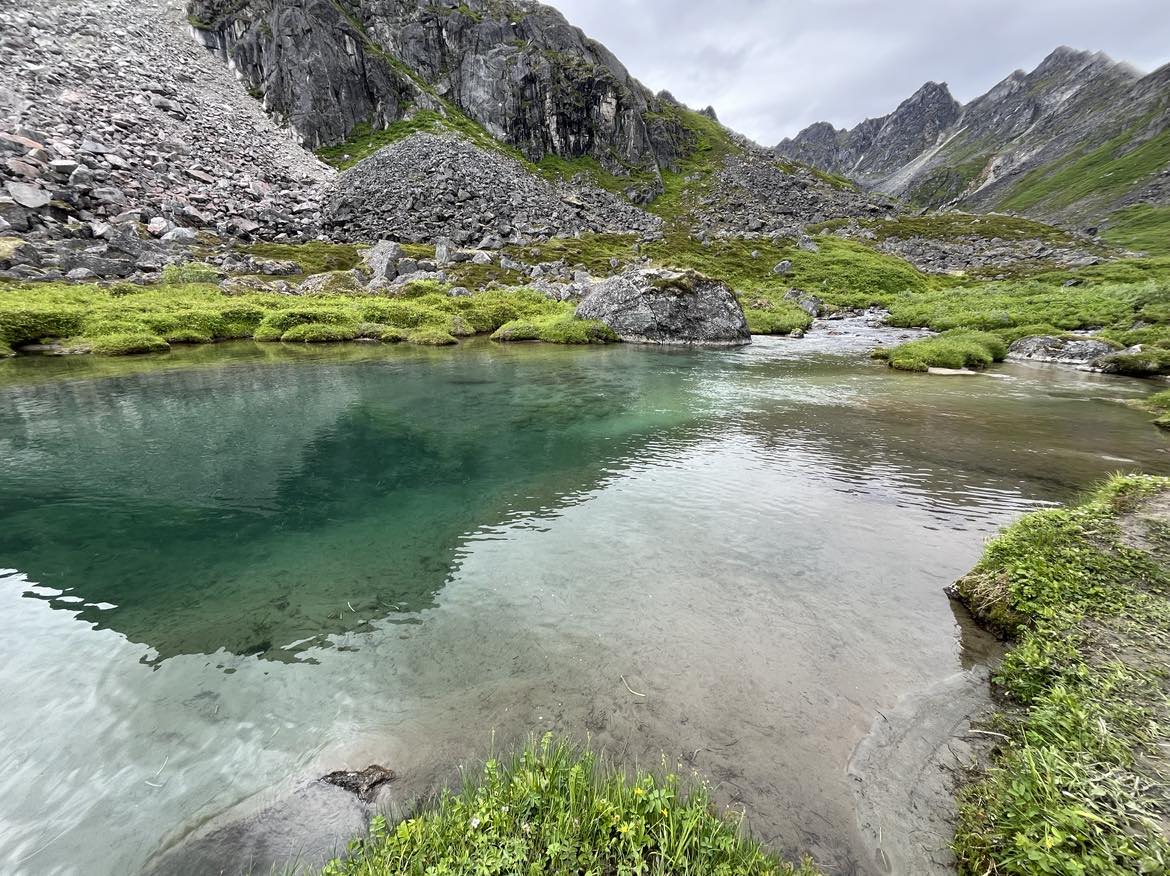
657,306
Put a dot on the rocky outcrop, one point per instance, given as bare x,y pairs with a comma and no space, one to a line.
986,154
109,112
979,252
1061,350
752,193
516,68
431,186
656,306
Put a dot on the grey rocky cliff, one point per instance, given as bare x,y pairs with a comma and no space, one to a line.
657,306
979,156
516,68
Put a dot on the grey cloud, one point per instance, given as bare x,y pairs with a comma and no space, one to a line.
771,68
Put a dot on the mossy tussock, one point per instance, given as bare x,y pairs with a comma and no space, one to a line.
957,349
557,809
1078,783
124,318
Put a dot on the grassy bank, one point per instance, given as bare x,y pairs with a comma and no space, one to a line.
556,809
1126,303
1079,780
123,318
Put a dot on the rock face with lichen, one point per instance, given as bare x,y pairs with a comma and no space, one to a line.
518,69
658,306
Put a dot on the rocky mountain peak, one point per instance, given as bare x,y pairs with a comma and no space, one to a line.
934,151
877,146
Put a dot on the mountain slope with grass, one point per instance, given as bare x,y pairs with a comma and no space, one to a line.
1081,140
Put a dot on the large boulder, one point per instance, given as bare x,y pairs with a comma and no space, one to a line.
1066,351
657,306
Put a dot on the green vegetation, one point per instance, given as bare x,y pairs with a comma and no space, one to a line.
127,343
124,318
709,143
953,349
1159,403
1003,305
955,225
947,182
1124,313
840,183
314,257
1107,171
555,809
1142,227
319,333
190,272
842,273
1078,784
555,168
555,329
364,140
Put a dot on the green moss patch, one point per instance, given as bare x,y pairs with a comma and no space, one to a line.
556,329
200,313
429,336
319,333
557,809
314,257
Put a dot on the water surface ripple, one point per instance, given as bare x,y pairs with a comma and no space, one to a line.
228,570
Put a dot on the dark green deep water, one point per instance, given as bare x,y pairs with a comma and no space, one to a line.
226,569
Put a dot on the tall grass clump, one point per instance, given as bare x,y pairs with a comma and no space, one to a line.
556,809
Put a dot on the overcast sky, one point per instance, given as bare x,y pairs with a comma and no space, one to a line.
771,67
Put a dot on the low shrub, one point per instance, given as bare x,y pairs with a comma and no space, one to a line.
1075,786
555,809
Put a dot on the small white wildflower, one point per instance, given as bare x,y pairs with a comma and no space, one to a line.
474,823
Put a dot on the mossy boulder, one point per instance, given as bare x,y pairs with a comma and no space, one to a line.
1137,361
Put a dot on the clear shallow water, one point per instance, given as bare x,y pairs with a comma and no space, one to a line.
234,568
